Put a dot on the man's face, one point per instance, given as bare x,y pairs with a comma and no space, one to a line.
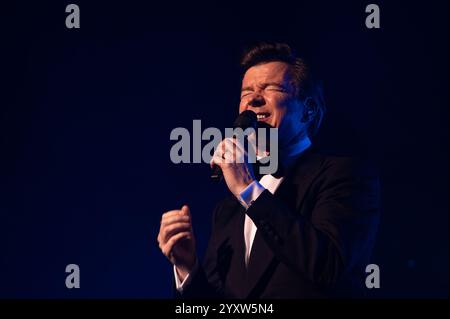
268,90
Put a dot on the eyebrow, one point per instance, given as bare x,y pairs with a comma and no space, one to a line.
265,84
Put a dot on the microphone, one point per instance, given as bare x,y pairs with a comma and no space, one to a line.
244,120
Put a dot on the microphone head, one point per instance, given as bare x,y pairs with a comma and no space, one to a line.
245,120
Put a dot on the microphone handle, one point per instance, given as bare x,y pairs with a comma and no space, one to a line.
216,174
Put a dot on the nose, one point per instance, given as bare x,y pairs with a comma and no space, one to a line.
257,100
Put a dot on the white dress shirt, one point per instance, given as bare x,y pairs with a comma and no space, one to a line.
246,198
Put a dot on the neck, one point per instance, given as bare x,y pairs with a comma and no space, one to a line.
297,145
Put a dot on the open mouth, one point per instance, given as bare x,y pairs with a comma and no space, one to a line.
262,116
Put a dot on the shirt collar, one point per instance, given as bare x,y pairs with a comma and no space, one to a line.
289,154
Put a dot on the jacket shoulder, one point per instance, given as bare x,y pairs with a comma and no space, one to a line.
340,166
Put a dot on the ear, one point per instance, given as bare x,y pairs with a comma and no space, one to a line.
309,110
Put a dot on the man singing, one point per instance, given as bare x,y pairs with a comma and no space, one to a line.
306,232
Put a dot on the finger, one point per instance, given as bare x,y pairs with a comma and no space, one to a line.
238,146
171,217
223,146
229,150
233,152
217,160
170,221
217,157
237,149
169,231
223,154
167,248
218,149
183,216
232,143
177,212
170,213
175,219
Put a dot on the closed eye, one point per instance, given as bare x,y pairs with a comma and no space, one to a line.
277,88
246,93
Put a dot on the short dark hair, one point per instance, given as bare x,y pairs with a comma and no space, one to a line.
307,89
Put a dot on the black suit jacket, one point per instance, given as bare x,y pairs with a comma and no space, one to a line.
314,236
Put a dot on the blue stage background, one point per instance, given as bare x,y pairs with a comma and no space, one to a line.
85,118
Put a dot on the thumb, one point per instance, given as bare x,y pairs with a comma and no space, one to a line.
185,209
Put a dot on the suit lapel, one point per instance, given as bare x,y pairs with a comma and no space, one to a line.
262,261
258,270
291,191
237,272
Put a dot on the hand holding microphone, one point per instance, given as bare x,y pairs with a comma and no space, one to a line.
244,120
229,160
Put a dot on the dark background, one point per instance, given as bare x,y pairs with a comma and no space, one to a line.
85,118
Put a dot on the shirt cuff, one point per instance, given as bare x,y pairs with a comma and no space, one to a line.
179,285
250,194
